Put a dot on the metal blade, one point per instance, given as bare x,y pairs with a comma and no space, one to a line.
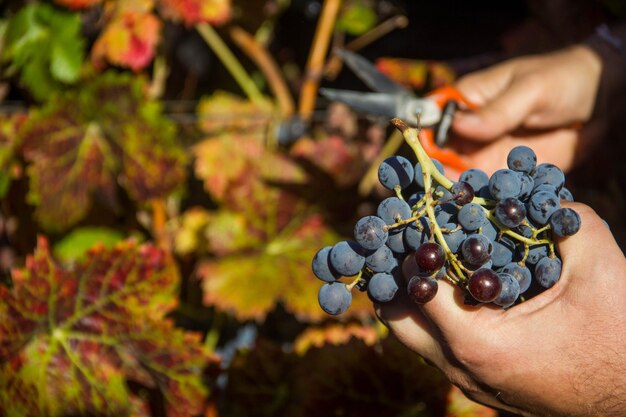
388,105
370,75
380,104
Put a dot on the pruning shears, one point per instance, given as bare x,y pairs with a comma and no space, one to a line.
433,112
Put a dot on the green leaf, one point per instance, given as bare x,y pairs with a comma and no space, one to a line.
356,18
45,45
75,245
71,340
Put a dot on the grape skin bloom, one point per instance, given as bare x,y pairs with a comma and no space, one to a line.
321,266
382,287
334,298
347,258
548,271
395,171
370,232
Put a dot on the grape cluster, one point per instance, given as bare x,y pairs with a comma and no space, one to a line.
491,236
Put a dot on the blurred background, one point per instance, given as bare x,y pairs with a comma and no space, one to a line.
169,171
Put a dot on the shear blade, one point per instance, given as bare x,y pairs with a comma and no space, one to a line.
379,104
369,74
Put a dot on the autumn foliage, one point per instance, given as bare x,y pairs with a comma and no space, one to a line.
155,255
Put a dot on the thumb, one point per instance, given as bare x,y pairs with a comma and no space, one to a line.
592,231
506,111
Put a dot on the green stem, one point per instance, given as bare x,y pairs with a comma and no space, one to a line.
229,60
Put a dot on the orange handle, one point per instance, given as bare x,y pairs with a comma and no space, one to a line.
427,137
444,155
446,93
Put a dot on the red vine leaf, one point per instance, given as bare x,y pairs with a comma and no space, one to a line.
128,40
83,143
71,340
191,12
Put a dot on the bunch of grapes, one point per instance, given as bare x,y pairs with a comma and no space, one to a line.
491,236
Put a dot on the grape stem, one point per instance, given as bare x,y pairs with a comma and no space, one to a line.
430,172
355,281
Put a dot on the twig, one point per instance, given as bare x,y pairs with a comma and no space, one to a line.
317,56
267,65
229,60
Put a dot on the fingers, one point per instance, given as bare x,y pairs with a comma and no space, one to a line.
591,244
503,113
410,326
556,146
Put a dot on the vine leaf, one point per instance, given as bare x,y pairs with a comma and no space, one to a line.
72,340
336,334
249,283
417,74
356,17
9,125
192,12
84,143
129,40
45,45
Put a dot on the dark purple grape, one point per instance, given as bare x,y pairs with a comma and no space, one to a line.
454,239
484,285
346,257
422,289
430,257
471,216
503,251
505,183
476,249
395,170
334,298
510,212
522,159
510,290
476,178
548,271
549,174
382,287
566,194
520,273
541,206
527,186
321,266
462,193
382,260
392,209
370,232
565,222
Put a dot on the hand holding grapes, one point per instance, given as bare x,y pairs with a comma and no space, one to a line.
559,353
536,101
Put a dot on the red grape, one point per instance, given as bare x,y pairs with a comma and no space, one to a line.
430,257
484,285
422,289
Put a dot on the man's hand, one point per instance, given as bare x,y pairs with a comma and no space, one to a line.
561,353
538,101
